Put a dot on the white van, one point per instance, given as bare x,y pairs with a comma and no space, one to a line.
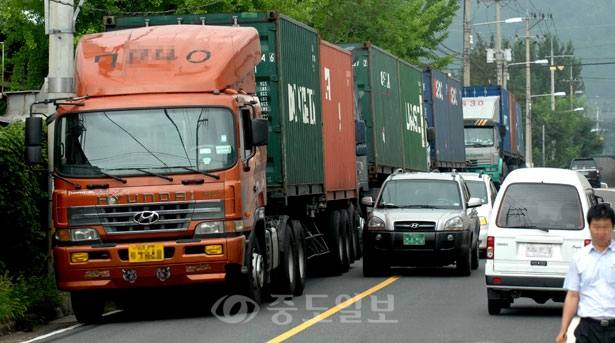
482,187
538,222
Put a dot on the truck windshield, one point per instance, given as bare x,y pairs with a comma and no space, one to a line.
479,136
135,142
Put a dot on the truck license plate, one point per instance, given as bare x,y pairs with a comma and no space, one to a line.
414,239
145,252
538,250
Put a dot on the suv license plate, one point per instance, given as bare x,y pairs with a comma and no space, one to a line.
145,252
538,250
414,239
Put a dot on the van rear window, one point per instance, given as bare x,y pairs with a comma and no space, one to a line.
541,206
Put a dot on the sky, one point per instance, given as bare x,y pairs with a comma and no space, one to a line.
588,24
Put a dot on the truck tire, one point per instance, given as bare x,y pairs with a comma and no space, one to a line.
335,241
253,282
301,262
347,231
494,306
88,307
285,275
355,231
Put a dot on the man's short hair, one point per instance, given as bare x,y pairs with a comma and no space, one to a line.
601,211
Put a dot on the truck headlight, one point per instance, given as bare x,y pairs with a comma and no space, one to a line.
77,235
376,223
454,224
207,228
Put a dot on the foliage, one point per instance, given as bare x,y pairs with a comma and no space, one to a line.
11,307
24,245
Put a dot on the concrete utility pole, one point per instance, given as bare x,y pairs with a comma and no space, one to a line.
467,26
528,98
498,43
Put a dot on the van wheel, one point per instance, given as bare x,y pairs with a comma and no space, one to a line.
494,306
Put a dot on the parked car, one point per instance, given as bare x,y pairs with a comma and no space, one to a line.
482,187
537,224
421,219
588,168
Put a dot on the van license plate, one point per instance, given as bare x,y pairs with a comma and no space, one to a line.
145,252
414,239
538,250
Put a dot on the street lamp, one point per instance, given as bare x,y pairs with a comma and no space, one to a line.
506,74
498,52
528,127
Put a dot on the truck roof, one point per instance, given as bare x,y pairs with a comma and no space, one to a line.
167,59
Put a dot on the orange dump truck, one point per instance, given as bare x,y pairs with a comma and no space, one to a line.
168,172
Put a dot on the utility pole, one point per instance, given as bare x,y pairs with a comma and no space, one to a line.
528,98
498,43
467,26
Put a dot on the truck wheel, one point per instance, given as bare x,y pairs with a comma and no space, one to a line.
88,308
464,263
335,241
253,282
301,262
354,223
346,229
494,306
285,280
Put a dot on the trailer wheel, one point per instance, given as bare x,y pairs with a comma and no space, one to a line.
355,229
346,230
88,307
285,280
301,264
335,241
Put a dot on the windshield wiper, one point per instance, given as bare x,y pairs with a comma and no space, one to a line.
109,175
217,177
155,174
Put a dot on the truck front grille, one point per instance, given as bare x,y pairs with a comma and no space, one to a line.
168,216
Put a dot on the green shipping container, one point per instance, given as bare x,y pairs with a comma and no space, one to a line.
390,99
414,124
288,85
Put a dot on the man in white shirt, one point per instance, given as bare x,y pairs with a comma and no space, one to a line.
591,282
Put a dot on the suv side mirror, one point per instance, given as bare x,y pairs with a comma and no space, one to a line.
474,202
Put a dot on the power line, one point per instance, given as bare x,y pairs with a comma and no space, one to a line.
110,12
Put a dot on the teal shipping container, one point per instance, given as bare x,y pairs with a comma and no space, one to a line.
390,98
288,86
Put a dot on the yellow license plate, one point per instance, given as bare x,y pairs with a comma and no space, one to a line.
146,252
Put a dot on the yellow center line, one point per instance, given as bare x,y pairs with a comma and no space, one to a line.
333,310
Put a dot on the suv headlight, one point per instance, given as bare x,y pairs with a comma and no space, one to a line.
454,224
376,223
76,235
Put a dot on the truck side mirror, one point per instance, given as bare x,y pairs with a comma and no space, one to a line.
33,143
260,132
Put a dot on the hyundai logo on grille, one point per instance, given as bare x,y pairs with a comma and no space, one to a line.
146,217
414,225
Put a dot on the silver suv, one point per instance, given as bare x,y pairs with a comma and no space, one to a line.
423,220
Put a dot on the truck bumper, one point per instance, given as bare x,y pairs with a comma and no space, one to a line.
108,267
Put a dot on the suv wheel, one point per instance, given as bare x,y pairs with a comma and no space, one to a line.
475,257
464,264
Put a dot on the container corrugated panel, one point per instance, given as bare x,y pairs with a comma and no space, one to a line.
337,92
376,77
455,111
520,132
436,112
514,128
413,123
288,86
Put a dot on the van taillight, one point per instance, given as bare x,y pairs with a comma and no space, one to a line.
587,241
490,245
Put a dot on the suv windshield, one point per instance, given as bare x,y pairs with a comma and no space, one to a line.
145,141
478,189
415,193
583,164
546,206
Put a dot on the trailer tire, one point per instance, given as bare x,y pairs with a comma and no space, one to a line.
301,263
335,240
348,252
355,230
87,307
285,276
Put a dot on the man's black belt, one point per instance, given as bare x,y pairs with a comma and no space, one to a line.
601,322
